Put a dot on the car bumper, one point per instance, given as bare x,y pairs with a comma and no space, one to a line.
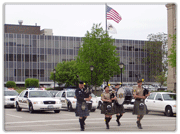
174,110
9,103
47,107
73,105
94,105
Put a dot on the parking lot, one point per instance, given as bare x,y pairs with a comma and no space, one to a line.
67,121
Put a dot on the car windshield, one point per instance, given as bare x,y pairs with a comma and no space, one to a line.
39,94
93,95
169,96
70,94
10,93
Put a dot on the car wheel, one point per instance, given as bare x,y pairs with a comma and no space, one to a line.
93,110
31,110
168,111
56,111
69,106
17,107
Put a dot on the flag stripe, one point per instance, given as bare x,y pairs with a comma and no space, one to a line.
113,15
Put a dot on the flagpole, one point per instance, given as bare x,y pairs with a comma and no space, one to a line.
106,16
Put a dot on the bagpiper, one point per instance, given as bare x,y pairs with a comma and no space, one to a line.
140,108
118,109
81,106
107,107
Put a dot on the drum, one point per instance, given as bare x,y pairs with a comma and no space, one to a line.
124,95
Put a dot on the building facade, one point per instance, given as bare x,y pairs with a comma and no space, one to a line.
35,56
171,12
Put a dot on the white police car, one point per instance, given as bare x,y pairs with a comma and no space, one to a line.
37,99
68,100
9,97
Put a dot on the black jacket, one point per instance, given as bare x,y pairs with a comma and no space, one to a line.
80,95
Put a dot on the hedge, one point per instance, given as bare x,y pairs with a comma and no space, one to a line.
31,82
10,84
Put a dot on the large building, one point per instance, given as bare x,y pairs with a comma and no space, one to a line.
33,53
171,12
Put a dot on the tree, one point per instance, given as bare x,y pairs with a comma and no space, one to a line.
172,56
97,50
156,54
66,72
162,78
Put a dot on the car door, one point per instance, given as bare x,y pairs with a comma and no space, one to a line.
63,99
20,98
24,100
150,101
158,103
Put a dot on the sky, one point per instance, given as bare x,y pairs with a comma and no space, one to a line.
138,20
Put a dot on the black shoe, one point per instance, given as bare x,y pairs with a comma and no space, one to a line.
139,125
107,126
82,129
118,123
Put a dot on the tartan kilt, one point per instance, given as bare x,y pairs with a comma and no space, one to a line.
81,113
118,108
137,110
104,107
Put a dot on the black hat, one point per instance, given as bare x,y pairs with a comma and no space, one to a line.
117,84
81,82
139,81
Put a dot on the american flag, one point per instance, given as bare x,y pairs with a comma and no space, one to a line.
113,15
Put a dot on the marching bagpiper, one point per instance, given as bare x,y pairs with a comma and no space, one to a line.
107,108
140,108
81,106
118,109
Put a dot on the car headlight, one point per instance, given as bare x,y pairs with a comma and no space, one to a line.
58,102
38,102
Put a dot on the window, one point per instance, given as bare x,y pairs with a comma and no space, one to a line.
158,97
151,96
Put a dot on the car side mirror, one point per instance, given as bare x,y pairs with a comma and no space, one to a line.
25,96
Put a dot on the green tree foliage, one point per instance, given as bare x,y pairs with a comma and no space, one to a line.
162,78
66,72
156,54
10,84
172,56
31,82
97,50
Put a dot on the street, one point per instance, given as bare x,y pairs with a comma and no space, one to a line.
67,121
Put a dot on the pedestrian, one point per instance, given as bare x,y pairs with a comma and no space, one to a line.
81,106
107,108
140,108
118,109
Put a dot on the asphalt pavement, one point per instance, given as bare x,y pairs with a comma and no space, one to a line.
49,121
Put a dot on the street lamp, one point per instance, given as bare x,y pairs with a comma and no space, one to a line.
91,68
54,71
121,66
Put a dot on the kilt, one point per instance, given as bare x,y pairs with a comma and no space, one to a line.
118,108
81,113
137,110
104,109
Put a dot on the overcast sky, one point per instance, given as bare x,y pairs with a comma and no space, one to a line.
74,20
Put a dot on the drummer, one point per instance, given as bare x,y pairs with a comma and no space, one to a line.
107,108
140,108
118,109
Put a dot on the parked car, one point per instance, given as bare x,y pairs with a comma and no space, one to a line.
53,92
162,102
68,100
9,97
37,99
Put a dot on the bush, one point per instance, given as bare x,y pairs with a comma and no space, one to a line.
31,82
10,84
